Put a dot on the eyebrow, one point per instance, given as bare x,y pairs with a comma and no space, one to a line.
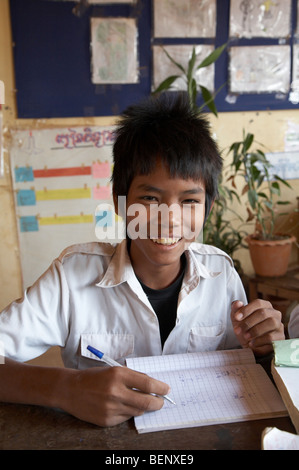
148,187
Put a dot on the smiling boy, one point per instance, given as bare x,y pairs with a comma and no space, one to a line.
157,292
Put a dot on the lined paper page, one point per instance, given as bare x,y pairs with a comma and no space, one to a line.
191,360
211,394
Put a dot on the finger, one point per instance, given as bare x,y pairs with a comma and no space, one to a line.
235,307
265,322
145,402
134,403
137,394
252,314
263,344
267,337
146,384
246,319
247,310
260,321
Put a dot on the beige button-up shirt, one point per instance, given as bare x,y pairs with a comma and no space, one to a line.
90,295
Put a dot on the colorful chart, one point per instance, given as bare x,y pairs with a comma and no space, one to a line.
61,179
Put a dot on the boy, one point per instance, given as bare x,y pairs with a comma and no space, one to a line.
154,293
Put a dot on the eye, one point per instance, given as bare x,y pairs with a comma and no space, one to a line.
149,198
191,201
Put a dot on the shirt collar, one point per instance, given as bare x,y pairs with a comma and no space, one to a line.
120,269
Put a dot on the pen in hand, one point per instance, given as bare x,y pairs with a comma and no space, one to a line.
112,363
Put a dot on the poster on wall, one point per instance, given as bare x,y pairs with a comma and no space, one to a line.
114,50
163,67
294,93
257,18
61,182
110,1
1,146
260,69
187,19
99,2
284,164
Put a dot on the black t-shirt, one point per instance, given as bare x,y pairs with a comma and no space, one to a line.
164,303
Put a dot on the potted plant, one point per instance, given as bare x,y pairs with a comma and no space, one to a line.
219,230
269,250
188,74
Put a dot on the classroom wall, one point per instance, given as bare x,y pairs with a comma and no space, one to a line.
269,128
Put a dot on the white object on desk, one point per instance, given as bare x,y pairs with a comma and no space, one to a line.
209,388
275,439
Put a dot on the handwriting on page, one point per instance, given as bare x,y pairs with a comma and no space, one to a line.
209,388
195,388
208,396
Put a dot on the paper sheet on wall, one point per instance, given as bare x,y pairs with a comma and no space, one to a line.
260,69
1,145
284,164
95,2
163,67
114,50
257,18
190,18
61,181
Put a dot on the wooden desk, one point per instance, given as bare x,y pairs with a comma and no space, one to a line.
32,427
285,287
281,291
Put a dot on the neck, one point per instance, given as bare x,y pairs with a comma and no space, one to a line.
160,279
156,277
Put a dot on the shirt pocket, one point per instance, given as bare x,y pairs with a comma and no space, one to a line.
118,346
206,338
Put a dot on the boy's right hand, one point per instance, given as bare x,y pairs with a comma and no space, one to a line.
105,396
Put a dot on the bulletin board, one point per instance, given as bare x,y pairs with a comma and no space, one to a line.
61,182
54,63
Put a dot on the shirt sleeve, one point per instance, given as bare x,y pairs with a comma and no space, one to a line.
31,325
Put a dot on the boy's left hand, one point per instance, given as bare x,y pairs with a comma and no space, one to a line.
256,325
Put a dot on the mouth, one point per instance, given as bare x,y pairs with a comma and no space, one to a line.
165,241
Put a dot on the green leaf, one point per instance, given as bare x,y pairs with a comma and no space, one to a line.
192,91
282,181
166,84
262,157
252,198
275,188
264,195
191,65
247,142
283,203
174,62
208,99
211,58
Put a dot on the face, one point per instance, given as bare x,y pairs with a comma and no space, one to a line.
164,215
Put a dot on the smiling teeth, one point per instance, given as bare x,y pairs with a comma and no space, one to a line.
165,241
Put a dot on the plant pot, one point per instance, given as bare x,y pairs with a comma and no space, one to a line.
270,257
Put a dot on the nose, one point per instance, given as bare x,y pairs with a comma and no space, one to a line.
174,216
166,220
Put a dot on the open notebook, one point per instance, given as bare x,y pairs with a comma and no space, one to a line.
209,388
